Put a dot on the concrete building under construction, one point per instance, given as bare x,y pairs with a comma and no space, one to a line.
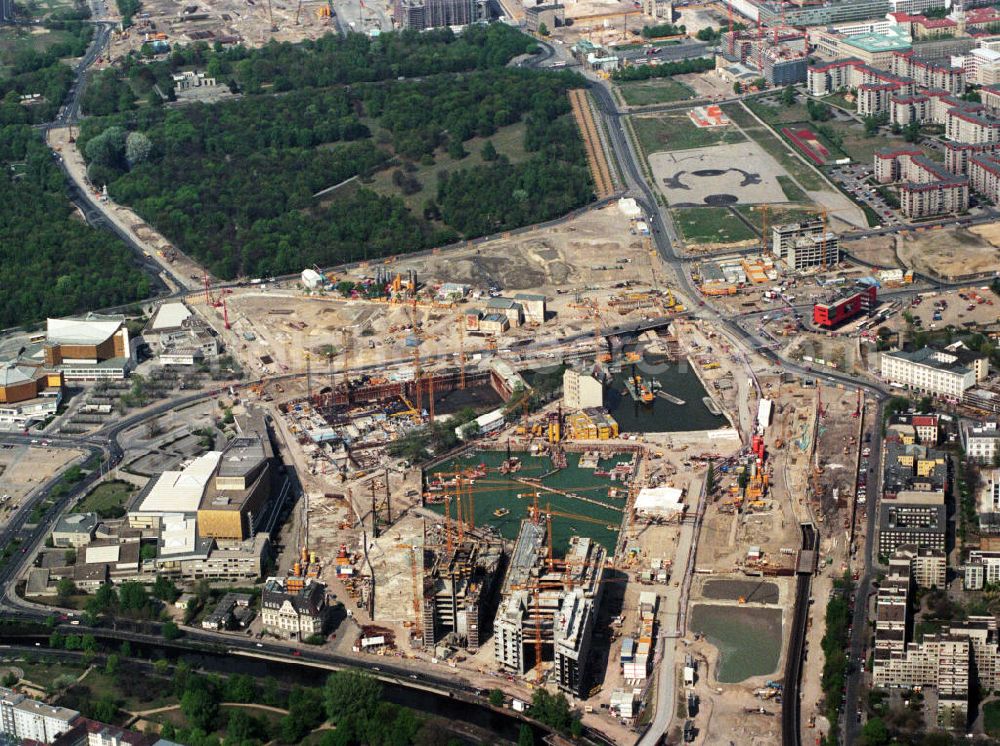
459,591
548,607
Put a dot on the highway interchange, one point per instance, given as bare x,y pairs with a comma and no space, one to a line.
105,445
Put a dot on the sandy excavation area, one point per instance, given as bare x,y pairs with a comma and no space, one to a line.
277,327
953,252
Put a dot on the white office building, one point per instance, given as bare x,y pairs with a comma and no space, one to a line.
948,372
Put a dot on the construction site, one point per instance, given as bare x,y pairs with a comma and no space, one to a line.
249,23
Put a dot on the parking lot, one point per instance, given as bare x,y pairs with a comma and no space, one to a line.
854,180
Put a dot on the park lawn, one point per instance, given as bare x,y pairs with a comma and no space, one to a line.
656,91
508,141
991,718
779,149
106,499
776,113
15,40
41,8
677,132
702,225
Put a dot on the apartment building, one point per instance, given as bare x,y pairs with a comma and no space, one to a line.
27,719
981,442
982,568
941,661
852,73
932,74
964,125
990,95
958,155
945,372
926,188
892,611
984,175
928,567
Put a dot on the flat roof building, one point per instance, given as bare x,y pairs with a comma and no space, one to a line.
948,372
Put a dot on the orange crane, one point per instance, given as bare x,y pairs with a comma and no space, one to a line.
416,355
461,352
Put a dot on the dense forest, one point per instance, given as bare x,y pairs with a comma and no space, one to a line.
328,61
235,184
51,264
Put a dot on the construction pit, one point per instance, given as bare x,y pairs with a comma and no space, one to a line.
412,540
743,590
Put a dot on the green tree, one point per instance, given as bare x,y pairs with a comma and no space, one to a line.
525,737
875,733
171,631
543,30
496,698
456,150
164,589
551,709
737,88
138,147
351,693
112,663
132,596
108,148
488,152
788,95
200,708
241,688
64,589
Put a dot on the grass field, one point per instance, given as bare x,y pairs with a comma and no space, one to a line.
678,132
779,150
15,40
657,91
778,214
107,499
991,718
704,225
508,141
791,190
777,114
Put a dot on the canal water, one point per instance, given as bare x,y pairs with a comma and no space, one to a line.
661,416
499,492
748,639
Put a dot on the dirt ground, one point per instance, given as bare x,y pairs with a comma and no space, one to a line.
274,326
247,22
878,250
952,252
24,468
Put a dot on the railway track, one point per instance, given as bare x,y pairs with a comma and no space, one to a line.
604,185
